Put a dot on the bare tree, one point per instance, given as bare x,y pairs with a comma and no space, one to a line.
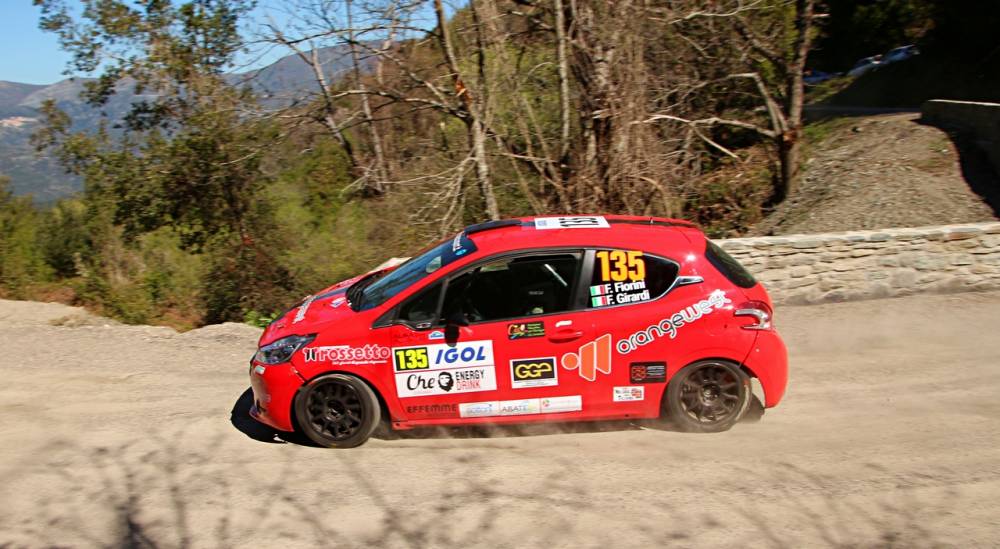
321,33
751,45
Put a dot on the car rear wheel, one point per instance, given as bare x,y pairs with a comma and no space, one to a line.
337,411
708,396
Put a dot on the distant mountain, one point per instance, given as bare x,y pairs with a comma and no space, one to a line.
12,93
279,84
283,81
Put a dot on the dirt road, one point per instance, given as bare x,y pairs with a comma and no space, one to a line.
121,436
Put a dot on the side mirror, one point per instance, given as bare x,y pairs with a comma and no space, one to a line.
452,323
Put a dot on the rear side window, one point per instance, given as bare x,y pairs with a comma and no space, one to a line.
729,267
622,277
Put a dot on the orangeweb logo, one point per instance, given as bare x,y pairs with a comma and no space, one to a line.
592,357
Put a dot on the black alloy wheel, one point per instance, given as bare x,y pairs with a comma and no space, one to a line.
337,411
708,396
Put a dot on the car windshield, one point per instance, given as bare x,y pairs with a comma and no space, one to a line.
415,269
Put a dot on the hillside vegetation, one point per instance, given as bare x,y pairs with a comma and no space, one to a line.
885,171
208,201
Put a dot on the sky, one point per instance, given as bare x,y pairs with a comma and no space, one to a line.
30,55
33,57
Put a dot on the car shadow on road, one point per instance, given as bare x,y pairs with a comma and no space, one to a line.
240,419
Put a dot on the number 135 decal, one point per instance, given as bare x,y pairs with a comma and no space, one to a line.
572,222
619,265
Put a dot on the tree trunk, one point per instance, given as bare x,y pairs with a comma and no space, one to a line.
474,110
376,183
789,148
789,142
477,140
564,112
596,44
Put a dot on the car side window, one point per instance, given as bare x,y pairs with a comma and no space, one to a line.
514,287
421,308
622,277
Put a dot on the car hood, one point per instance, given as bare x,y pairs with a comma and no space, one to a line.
312,312
309,315
316,312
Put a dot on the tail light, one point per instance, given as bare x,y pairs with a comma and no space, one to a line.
757,312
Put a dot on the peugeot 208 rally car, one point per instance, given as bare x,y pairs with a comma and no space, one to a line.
571,318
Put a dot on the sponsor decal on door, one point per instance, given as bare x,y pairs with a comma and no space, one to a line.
533,372
441,356
446,382
591,358
524,330
443,369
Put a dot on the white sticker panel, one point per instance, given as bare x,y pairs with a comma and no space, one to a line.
478,409
441,356
629,394
572,222
445,382
520,407
526,406
555,405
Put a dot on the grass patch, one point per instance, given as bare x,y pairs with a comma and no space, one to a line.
817,132
822,92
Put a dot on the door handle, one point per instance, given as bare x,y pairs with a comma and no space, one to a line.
563,336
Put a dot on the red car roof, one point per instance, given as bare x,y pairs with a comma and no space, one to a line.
651,233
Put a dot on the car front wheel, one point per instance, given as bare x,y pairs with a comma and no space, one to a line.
337,411
708,396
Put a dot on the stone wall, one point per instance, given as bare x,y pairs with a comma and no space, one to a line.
857,265
980,120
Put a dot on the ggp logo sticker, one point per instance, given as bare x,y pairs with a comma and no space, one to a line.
533,372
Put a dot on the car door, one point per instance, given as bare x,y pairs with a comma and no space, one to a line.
492,347
630,291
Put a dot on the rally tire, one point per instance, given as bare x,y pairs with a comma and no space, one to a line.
337,411
709,396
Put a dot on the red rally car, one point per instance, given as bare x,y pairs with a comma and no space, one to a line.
573,318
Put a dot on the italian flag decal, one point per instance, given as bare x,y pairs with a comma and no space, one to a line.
601,300
599,295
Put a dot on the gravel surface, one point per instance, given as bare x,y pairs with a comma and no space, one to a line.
885,171
123,436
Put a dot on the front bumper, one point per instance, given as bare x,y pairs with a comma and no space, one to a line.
274,389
